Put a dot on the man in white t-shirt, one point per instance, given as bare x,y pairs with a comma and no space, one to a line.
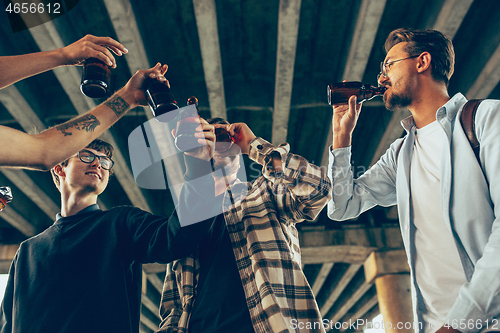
447,201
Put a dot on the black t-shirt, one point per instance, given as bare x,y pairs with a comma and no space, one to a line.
220,304
83,274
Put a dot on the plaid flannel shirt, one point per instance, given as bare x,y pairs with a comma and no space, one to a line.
261,226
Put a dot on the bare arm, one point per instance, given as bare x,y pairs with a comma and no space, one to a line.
15,68
42,151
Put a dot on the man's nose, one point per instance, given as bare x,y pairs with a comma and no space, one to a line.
96,163
381,79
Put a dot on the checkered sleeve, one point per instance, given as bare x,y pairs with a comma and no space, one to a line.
178,295
300,189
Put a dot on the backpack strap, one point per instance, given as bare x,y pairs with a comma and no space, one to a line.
467,120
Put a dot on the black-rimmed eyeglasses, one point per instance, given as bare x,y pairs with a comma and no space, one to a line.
386,66
86,156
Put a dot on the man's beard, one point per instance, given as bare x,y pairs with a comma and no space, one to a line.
397,101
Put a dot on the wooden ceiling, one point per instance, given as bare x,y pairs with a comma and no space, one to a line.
265,63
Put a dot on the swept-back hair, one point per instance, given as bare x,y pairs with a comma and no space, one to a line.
438,45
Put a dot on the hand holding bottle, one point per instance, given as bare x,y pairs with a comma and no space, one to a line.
344,121
15,68
204,134
92,47
133,91
242,136
346,99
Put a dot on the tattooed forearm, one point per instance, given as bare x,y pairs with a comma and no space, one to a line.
85,122
118,105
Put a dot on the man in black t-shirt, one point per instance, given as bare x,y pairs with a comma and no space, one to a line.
83,273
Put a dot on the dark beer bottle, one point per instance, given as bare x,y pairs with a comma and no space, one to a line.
339,93
5,196
186,125
187,122
223,140
96,77
160,99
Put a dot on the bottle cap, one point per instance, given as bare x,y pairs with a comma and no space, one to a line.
5,196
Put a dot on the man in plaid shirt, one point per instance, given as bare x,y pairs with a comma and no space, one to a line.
245,275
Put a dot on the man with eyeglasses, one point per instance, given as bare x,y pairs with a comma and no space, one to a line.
83,274
447,202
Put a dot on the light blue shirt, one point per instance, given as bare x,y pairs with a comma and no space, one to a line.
470,204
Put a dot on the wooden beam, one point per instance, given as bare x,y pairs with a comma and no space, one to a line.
347,245
154,268
488,79
7,254
20,110
124,23
362,311
148,323
381,263
367,22
451,16
156,282
339,288
379,237
32,191
351,302
208,33
17,221
150,305
326,268
288,28
336,253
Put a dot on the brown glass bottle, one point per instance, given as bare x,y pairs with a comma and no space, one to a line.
187,121
160,99
223,140
96,78
186,128
5,196
339,93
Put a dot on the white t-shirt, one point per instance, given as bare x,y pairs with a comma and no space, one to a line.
438,268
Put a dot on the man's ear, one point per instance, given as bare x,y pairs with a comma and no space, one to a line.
58,170
424,62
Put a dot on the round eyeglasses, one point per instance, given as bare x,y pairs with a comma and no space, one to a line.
86,156
386,66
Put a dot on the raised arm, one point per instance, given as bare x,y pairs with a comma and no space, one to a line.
42,151
300,189
345,118
16,68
